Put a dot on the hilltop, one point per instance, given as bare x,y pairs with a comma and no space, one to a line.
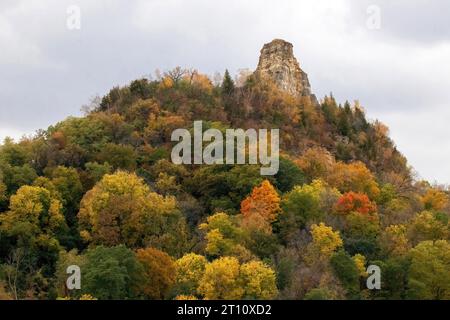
101,191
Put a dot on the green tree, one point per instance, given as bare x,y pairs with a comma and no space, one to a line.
347,272
96,171
190,269
66,259
301,205
227,84
429,276
111,273
318,294
68,185
289,175
119,156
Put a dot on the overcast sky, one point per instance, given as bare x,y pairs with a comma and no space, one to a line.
400,72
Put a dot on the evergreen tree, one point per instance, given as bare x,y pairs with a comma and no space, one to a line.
227,84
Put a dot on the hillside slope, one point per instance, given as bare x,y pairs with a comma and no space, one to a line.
101,191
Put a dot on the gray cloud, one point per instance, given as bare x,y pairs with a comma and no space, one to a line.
398,72
419,21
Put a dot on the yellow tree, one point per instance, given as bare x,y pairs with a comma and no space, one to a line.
121,209
260,209
190,269
33,212
434,199
425,226
226,279
394,240
221,280
324,243
224,237
259,281
354,177
360,262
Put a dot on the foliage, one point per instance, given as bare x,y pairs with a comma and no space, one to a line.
429,277
111,273
324,243
347,271
223,236
426,226
305,204
159,273
354,177
190,269
221,280
121,209
259,281
261,208
355,202
226,279
100,192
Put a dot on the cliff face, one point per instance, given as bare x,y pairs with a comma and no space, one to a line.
278,63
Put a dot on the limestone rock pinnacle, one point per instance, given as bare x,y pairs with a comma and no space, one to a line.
278,63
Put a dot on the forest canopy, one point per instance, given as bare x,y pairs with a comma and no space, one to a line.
101,192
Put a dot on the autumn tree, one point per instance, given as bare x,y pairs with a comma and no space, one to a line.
259,281
355,202
426,226
122,209
316,163
30,234
159,273
221,280
394,240
261,208
434,199
226,279
353,177
305,204
360,221
190,269
224,237
360,262
429,277
33,213
324,243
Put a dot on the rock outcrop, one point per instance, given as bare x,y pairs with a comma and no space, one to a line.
277,62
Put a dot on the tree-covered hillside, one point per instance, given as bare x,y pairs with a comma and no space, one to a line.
101,192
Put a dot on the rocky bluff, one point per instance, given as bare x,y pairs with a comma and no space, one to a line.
277,62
